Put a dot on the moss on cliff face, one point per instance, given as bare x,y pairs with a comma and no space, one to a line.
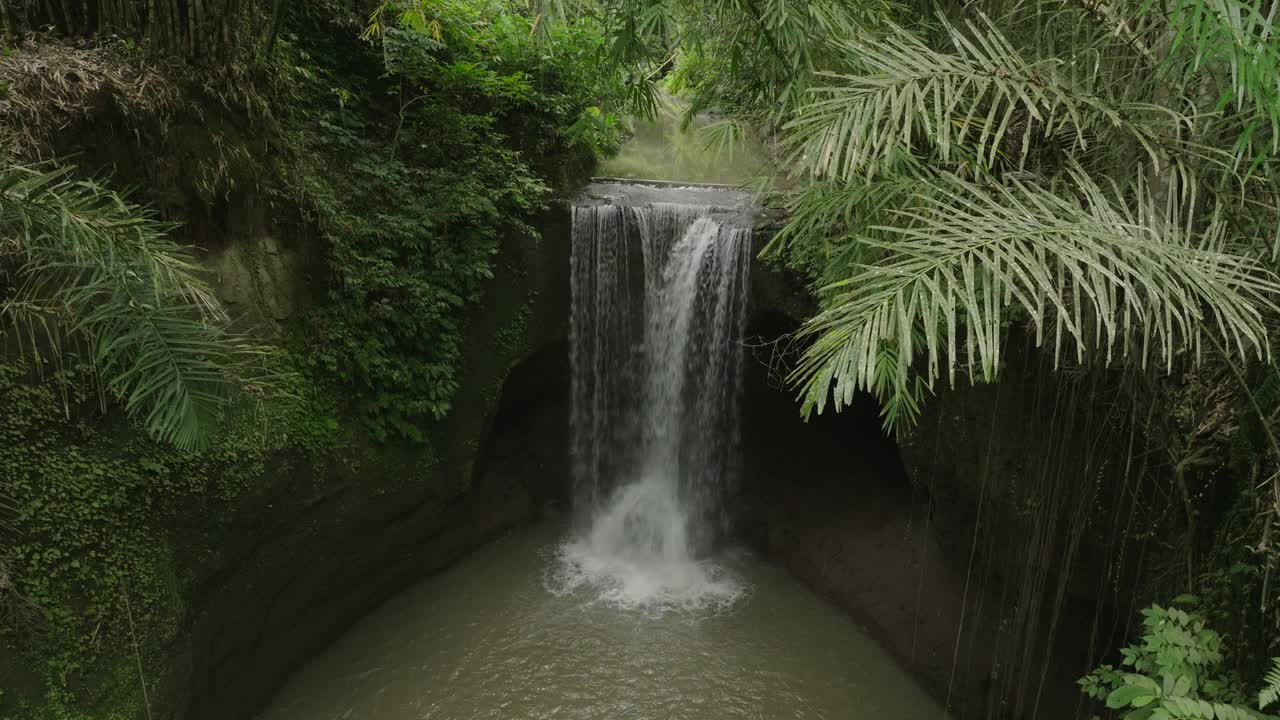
218,572
112,532
401,256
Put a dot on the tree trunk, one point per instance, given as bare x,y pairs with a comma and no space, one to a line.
7,21
276,8
149,30
193,44
224,23
68,18
175,42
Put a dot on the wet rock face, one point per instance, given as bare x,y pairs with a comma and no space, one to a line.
260,273
530,437
830,501
315,572
973,551
323,541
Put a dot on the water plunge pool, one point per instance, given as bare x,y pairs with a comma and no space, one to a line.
500,636
635,614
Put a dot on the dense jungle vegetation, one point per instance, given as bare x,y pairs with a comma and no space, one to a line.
1098,179
405,145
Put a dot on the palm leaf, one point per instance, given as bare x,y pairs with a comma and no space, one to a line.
1087,271
825,218
91,269
982,95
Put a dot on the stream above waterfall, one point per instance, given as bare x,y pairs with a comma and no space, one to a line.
496,638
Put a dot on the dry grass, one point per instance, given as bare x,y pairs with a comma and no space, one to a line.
47,87
58,97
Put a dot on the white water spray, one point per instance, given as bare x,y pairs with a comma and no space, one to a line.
659,296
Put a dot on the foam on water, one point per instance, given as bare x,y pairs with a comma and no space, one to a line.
636,557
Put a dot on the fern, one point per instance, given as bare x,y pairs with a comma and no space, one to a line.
1175,674
1270,693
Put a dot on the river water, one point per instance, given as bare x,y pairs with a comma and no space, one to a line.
505,635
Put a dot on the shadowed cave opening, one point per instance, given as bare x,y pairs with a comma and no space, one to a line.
828,499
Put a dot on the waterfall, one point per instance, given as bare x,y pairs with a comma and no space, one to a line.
659,294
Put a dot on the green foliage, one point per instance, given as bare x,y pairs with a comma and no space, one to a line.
956,266
95,513
760,57
413,155
595,130
1242,39
81,266
1174,673
437,146
745,57
1270,693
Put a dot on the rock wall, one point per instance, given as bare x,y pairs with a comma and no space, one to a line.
1030,482
894,536
830,501
979,551
323,542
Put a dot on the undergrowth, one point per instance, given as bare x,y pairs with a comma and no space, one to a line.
411,153
93,513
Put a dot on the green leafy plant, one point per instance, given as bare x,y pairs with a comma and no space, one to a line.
1241,37
80,266
1173,673
481,116
595,130
1270,693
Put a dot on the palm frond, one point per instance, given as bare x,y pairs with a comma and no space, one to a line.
88,268
724,138
825,218
909,95
1082,267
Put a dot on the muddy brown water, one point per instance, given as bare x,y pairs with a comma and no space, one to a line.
503,635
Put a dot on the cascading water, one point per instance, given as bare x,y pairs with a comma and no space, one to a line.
659,287
659,300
